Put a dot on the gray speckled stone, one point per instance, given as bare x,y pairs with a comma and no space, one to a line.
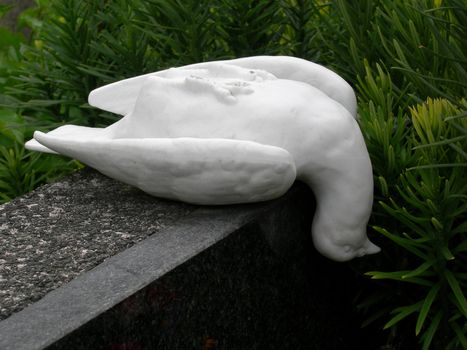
140,273
53,234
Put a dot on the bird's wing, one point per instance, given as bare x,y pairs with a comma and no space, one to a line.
65,132
200,171
120,97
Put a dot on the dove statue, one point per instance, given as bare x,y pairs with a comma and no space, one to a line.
236,131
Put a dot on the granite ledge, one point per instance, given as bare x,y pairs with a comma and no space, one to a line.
112,279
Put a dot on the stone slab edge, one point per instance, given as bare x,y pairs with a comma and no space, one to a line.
67,308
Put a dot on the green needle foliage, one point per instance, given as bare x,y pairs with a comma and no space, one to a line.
22,171
423,212
181,32
410,52
406,59
250,27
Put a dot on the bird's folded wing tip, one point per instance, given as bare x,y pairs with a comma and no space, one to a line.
34,145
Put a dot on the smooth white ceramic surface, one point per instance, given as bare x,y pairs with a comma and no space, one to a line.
232,132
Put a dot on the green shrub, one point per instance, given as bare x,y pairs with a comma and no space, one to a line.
402,54
22,171
423,211
423,42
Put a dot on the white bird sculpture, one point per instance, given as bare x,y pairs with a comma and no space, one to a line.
236,131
